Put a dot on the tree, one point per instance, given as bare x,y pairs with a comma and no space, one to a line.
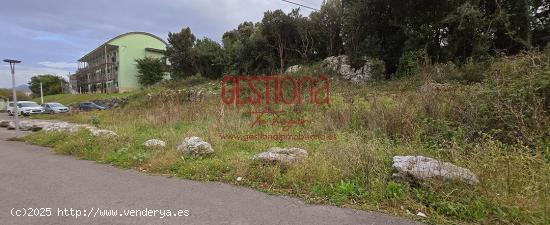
370,31
51,84
246,51
278,30
327,24
208,58
179,53
150,70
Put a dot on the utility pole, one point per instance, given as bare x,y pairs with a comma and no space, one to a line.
12,63
41,94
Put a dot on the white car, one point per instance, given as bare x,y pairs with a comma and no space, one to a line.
26,108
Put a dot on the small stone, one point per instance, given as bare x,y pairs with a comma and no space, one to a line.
293,69
239,178
285,156
102,133
421,214
154,143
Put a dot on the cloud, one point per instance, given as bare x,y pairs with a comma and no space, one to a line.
47,35
58,65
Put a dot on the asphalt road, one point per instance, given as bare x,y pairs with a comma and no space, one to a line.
35,180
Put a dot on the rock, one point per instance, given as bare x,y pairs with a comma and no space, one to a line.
154,143
341,65
424,168
195,146
26,125
293,69
102,133
239,178
421,214
50,126
4,123
285,156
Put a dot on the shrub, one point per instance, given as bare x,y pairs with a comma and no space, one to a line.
411,62
377,69
150,70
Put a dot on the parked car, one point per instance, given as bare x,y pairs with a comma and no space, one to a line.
26,108
88,106
54,107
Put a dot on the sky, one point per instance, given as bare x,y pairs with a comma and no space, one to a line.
49,36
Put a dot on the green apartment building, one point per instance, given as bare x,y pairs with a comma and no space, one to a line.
112,66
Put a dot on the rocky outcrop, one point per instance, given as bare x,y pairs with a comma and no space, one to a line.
109,103
341,65
154,143
423,168
182,95
112,102
195,146
293,69
284,156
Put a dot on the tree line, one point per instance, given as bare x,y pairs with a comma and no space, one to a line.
393,31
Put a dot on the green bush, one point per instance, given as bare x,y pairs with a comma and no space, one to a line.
472,71
377,69
411,61
150,70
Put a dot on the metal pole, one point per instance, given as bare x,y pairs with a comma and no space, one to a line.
12,66
41,94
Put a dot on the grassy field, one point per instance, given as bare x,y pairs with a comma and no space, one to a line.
497,128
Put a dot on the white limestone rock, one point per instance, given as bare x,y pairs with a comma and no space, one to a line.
424,168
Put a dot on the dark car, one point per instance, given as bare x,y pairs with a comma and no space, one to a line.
88,106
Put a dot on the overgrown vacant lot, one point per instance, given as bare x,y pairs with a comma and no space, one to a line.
497,128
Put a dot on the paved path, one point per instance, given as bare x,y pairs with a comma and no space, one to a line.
34,177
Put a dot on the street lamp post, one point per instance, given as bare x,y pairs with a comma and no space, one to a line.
12,63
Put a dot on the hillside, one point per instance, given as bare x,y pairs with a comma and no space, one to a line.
489,118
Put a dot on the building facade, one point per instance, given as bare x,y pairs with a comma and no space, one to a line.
112,66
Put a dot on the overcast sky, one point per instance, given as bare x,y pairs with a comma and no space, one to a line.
50,35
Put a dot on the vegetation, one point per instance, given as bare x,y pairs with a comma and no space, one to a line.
150,70
6,93
392,31
51,84
496,127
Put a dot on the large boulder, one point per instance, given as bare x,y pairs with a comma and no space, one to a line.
423,168
195,146
341,65
63,127
285,156
154,143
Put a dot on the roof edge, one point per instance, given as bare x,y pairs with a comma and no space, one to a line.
122,35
